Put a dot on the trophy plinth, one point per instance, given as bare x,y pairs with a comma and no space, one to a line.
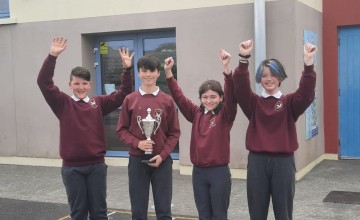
148,126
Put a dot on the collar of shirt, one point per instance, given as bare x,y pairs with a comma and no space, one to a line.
76,99
276,95
154,93
206,111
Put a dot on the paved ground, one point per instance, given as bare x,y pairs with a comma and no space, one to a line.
43,185
14,209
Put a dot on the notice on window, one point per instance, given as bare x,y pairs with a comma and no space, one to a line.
104,48
109,88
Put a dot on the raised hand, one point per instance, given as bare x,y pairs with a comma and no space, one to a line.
58,45
224,57
125,57
309,52
225,60
169,63
246,47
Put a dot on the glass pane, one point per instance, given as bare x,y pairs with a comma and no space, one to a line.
162,48
111,69
4,9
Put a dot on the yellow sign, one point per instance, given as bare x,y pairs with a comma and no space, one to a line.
104,47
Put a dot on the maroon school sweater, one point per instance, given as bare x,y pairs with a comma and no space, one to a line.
167,135
210,134
82,135
272,121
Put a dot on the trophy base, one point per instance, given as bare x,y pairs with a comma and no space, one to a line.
145,158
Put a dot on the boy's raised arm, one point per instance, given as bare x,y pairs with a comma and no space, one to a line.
58,45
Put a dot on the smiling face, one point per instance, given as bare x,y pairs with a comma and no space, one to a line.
270,74
210,100
148,71
269,82
80,87
148,77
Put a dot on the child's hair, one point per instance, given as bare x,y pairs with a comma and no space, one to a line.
148,62
211,85
214,86
80,72
275,67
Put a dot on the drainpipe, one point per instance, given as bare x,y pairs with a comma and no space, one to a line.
260,36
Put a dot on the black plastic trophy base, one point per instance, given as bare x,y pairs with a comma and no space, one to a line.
145,158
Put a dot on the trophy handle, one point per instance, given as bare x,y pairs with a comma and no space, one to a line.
158,122
138,118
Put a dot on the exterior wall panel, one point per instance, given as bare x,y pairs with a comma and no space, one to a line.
309,19
43,10
7,106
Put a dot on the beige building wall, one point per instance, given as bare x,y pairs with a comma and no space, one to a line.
43,10
30,129
7,89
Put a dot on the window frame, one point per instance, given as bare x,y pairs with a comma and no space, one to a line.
137,37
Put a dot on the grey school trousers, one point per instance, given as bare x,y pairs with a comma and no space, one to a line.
270,175
86,191
141,176
212,188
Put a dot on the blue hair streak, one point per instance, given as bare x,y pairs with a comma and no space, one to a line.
276,69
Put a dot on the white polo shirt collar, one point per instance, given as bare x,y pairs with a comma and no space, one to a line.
276,95
206,111
154,93
76,99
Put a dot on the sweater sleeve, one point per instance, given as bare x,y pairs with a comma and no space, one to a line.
242,89
229,99
50,91
173,133
185,105
305,94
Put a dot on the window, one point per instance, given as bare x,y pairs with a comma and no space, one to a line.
4,9
162,48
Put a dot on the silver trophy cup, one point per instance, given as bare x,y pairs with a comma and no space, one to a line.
148,126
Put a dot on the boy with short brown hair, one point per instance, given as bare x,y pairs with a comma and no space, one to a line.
82,135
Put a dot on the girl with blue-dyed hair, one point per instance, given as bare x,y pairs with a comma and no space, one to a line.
271,137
